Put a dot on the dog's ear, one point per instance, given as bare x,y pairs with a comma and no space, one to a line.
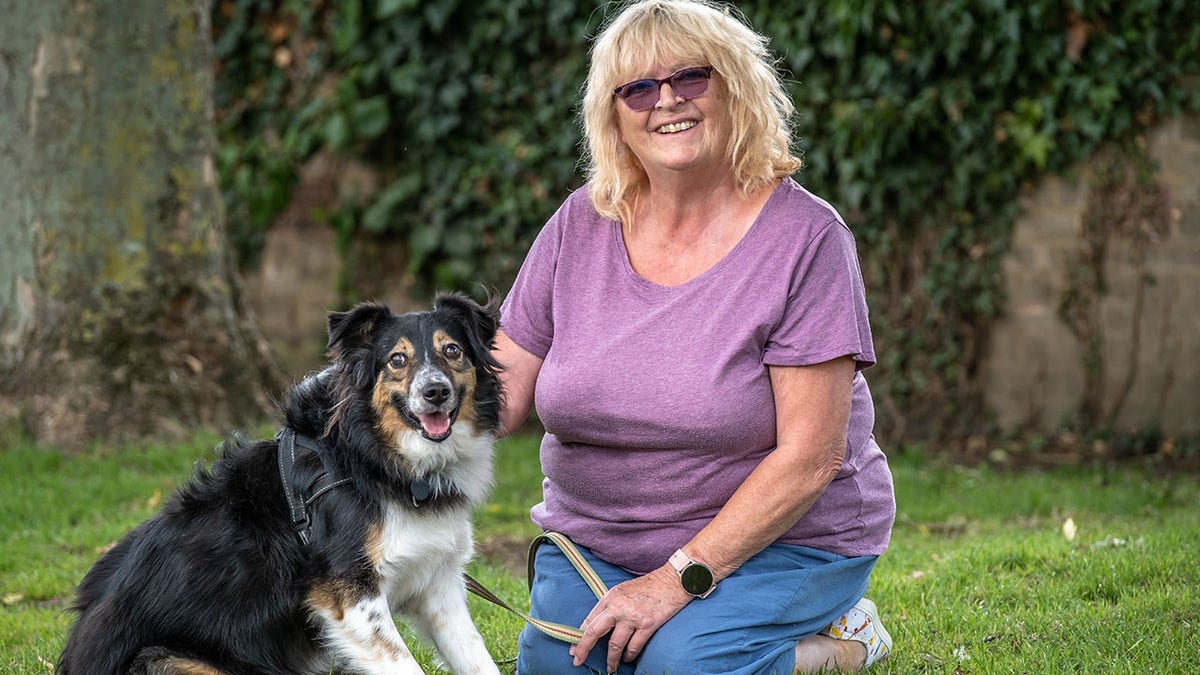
481,321
350,338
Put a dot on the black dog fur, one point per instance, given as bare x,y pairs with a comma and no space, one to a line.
219,581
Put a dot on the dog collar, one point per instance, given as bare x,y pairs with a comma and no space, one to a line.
300,498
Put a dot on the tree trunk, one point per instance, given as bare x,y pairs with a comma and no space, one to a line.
121,314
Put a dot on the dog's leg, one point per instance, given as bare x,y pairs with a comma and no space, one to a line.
441,612
364,639
160,661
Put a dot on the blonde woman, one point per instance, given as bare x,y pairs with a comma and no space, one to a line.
693,327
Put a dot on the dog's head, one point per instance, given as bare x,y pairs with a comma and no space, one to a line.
423,371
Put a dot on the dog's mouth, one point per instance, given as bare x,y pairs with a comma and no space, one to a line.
435,426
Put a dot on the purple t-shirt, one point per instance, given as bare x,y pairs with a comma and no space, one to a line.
656,400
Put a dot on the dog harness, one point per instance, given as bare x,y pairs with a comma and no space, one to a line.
301,497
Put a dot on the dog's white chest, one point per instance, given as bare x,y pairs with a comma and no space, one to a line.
416,547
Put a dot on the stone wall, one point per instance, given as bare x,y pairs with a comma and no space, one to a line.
296,283
1036,375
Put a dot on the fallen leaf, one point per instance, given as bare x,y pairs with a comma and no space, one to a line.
12,599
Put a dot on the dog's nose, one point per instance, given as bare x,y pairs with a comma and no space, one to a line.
436,392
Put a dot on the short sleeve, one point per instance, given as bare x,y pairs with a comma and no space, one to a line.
826,312
527,315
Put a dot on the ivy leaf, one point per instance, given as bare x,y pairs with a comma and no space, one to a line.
423,241
407,79
371,117
380,216
337,131
438,15
386,8
346,32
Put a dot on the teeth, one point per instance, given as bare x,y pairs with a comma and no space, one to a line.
676,127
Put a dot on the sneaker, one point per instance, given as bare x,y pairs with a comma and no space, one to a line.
861,623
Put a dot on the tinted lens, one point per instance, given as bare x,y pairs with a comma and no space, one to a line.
687,83
690,82
640,95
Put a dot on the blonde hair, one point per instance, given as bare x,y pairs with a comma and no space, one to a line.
698,32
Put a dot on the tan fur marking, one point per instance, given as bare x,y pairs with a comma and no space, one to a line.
462,372
379,639
182,666
374,545
329,598
393,381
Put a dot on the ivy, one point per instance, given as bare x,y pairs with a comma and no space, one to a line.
920,121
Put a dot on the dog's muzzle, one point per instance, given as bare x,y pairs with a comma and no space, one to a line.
432,404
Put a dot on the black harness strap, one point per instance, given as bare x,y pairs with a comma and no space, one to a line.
301,498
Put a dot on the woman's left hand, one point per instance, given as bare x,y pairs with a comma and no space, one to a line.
632,611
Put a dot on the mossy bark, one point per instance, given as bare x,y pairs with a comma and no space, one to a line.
121,314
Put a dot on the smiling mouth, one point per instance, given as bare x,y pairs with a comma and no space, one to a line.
676,127
435,426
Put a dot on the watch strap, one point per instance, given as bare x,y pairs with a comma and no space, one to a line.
681,562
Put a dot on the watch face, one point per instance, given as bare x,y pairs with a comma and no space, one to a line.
696,579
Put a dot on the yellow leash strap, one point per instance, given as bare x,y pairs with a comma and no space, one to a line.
557,631
577,561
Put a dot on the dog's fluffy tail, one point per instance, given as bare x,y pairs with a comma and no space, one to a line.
92,647
98,644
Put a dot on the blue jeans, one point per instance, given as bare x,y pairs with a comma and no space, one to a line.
749,625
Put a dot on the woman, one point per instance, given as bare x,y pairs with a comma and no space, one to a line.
693,327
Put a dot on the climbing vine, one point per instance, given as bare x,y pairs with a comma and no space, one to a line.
920,121
1125,204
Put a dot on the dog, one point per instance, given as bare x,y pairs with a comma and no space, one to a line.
291,555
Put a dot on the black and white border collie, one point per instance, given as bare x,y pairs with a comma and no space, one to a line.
291,555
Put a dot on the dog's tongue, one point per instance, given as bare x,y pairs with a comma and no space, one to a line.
436,424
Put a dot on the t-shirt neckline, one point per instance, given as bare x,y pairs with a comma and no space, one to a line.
715,268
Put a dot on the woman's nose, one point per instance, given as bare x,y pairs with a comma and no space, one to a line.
667,97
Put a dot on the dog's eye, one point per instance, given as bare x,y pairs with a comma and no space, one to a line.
452,351
398,360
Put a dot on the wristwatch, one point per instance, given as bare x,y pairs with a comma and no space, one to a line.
697,578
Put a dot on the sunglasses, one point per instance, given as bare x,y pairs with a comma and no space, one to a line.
687,83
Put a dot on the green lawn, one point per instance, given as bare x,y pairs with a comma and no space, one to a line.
980,577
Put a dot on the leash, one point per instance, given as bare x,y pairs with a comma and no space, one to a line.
557,631
299,498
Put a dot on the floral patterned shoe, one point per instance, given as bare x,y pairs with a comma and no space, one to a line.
861,623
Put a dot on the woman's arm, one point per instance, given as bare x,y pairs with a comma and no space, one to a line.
518,379
812,407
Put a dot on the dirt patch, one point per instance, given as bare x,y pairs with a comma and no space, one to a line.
506,551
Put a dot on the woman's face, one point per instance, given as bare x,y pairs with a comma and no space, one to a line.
678,135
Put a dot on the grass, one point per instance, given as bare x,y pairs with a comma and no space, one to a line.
980,577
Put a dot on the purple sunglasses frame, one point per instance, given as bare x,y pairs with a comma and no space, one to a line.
658,83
